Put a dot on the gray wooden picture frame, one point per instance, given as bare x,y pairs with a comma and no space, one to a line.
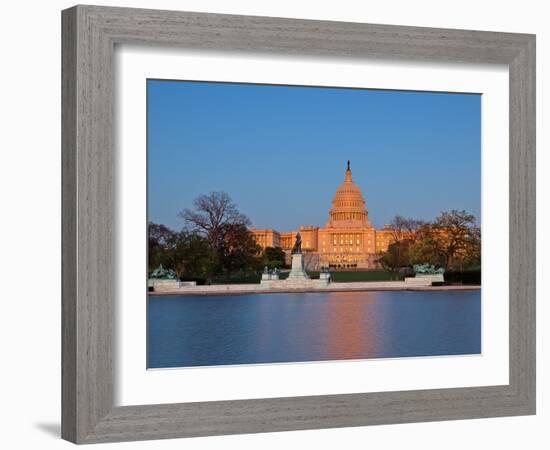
90,34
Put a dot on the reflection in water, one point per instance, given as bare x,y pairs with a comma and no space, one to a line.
267,328
352,325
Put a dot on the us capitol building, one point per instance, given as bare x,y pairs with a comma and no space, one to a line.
348,239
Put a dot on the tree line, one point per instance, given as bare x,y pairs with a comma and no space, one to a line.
214,242
452,240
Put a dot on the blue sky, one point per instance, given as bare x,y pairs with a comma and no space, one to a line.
280,152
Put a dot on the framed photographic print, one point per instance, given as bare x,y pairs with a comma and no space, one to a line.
267,222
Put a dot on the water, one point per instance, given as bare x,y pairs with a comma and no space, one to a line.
272,328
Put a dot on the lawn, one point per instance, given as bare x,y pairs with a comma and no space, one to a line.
359,275
363,275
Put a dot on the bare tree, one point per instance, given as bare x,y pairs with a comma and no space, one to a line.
212,212
456,236
405,228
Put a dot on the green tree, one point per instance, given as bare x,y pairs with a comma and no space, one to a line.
160,241
396,257
238,250
188,254
273,257
192,256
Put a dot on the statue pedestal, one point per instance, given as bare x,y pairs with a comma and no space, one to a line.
268,277
433,277
297,271
161,285
298,279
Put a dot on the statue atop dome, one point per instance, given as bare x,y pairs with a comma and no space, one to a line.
348,173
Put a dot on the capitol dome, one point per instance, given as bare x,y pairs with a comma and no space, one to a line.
348,206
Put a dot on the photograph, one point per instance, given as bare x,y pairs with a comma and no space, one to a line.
293,224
